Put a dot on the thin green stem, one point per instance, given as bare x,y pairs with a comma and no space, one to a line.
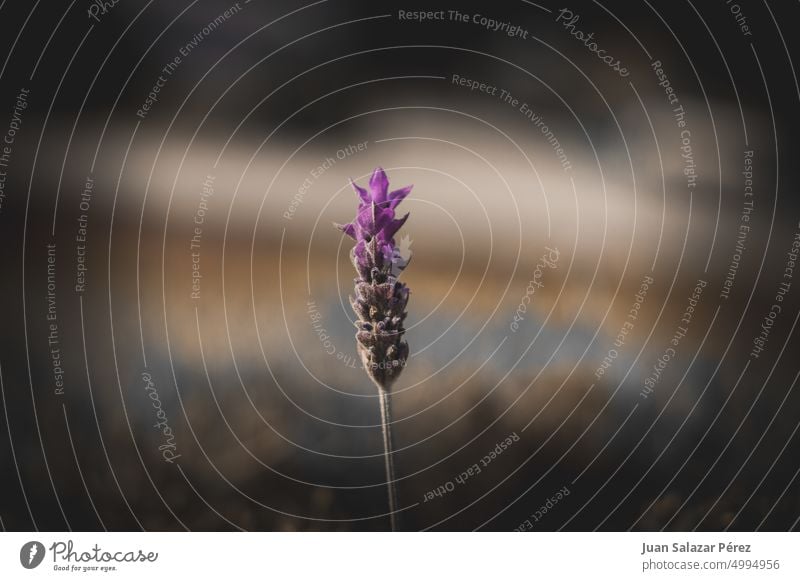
386,426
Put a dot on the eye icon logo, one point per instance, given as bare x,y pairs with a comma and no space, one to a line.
31,554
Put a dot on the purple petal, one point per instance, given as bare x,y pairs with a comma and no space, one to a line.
379,184
362,193
392,227
398,196
366,219
387,250
373,219
383,217
349,229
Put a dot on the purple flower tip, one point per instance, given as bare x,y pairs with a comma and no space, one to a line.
375,218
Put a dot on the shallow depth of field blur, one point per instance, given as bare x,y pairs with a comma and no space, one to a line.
274,426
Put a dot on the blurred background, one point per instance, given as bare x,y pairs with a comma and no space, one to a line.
177,343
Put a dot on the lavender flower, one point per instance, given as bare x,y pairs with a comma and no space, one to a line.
381,299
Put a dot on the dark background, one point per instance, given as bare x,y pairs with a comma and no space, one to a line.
276,434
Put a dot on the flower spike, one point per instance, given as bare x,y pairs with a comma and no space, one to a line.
381,299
